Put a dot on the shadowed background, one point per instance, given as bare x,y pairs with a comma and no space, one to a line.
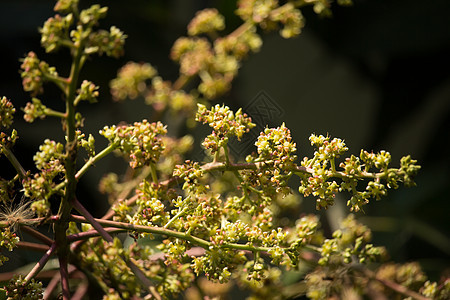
375,74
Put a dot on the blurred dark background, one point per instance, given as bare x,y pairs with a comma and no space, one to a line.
375,74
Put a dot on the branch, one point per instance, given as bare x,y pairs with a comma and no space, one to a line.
42,262
93,160
14,162
32,246
43,238
395,286
54,282
172,233
91,233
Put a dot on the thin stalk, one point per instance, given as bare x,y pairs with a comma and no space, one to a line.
65,207
395,286
32,246
171,233
179,214
54,283
181,82
53,113
38,267
95,159
58,81
227,156
153,173
33,232
333,165
83,211
91,233
14,162
64,272
81,291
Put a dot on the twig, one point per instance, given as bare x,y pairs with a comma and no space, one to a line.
32,246
63,271
42,237
54,282
95,159
41,263
81,290
91,233
15,163
395,286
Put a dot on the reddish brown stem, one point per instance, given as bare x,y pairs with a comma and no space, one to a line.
54,283
63,271
33,232
395,286
32,246
91,233
41,263
83,211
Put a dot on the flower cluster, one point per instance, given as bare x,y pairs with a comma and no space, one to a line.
49,160
8,240
238,46
65,6
33,110
131,80
50,156
306,230
411,276
276,144
206,21
88,144
57,31
257,11
106,42
291,18
140,142
118,281
350,243
18,288
101,259
276,153
353,168
319,181
7,111
193,54
348,246
263,282
8,140
225,124
162,96
197,56
87,92
35,73
191,173
91,16
217,262
150,209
